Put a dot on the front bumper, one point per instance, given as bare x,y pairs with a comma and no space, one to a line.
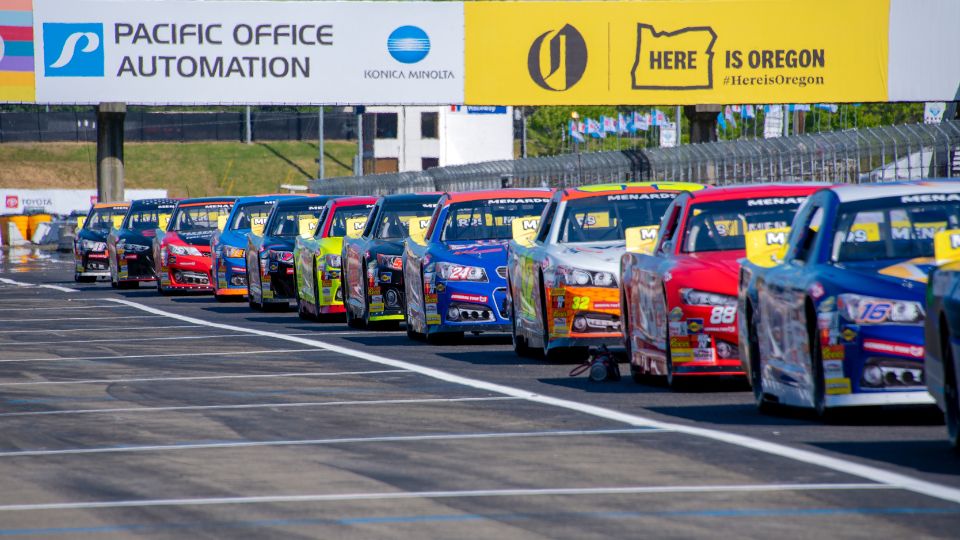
277,282
136,267
186,272
584,317
92,263
460,306
704,341
231,277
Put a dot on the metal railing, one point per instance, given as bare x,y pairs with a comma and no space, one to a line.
863,155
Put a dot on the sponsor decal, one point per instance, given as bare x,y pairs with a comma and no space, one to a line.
828,304
703,354
832,369
816,291
679,342
720,329
430,298
833,352
676,314
678,328
837,386
557,59
73,49
433,319
560,326
431,309
472,298
13,201
440,287
607,305
376,307
386,277
849,334
267,294
894,348
679,356
373,291
695,326
703,341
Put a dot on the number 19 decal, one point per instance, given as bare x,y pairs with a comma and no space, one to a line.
723,315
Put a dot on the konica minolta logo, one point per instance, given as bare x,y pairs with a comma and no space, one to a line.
408,44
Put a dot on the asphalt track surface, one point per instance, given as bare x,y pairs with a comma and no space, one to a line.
127,414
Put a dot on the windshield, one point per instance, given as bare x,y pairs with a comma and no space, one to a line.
349,219
252,216
721,225
490,219
892,227
105,218
394,219
603,219
294,221
199,216
144,219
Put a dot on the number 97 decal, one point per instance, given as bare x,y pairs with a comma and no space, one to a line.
723,315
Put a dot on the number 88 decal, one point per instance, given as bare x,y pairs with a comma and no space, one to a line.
723,315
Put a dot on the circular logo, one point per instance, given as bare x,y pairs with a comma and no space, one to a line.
408,44
564,62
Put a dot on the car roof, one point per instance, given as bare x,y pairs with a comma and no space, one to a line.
151,203
352,201
247,199
861,192
596,190
411,197
122,204
748,191
207,200
298,202
485,194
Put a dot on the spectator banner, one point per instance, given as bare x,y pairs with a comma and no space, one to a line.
188,52
684,52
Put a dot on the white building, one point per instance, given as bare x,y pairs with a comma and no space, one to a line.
418,138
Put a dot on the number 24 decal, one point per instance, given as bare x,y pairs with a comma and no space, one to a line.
723,315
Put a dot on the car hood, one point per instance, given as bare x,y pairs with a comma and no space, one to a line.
143,238
487,252
900,279
386,247
236,238
279,243
713,271
598,256
192,238
94,235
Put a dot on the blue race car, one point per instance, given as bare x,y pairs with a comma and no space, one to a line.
942,335
228,265
837,320
455,277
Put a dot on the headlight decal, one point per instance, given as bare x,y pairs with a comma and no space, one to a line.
579,277
458,272
695,297
869,310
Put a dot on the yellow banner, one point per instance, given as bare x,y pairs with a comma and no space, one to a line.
680,52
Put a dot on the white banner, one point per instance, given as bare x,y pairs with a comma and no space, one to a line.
62,201
668,135
185,52
773,122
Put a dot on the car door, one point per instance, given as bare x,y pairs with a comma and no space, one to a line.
353,271
531,262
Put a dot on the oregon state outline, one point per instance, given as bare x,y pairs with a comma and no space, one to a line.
678,60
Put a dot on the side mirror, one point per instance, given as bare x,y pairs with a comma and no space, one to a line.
946,246
767,247
524,229
417,228
642,239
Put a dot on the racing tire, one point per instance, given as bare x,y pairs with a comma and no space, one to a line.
254,305
764,405
951,409
554,355
84,279
519,342
114,281
638,376
302,313
352,320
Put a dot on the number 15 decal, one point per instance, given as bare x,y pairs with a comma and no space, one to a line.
723,315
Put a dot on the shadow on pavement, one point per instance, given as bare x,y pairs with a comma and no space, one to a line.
504,357
930,456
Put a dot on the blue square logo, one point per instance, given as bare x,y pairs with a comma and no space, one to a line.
73,49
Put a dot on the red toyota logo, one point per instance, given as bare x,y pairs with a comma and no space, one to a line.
93,199
13,201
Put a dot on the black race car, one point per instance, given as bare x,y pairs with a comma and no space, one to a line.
270,257
130,247
373,263
90,245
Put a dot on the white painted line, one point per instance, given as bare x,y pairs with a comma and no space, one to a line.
68,341
321,332
395,495
209,377
141,356
61,308
244,406
320,442
82,318
844,466
22,284
104,329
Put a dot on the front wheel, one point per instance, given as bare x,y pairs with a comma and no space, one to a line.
951,394
251,300
816,369
764,405
519,342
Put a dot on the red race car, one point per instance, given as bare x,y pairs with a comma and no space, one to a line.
680,301
181,251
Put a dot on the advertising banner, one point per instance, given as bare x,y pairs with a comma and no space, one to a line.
184,52
62,201
682,52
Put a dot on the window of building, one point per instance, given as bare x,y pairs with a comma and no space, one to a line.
428,125
386,125
429,163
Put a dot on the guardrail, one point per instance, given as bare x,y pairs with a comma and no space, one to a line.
860,155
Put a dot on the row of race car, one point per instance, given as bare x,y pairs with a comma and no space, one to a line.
816,294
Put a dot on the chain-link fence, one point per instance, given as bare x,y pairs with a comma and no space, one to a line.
863,155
